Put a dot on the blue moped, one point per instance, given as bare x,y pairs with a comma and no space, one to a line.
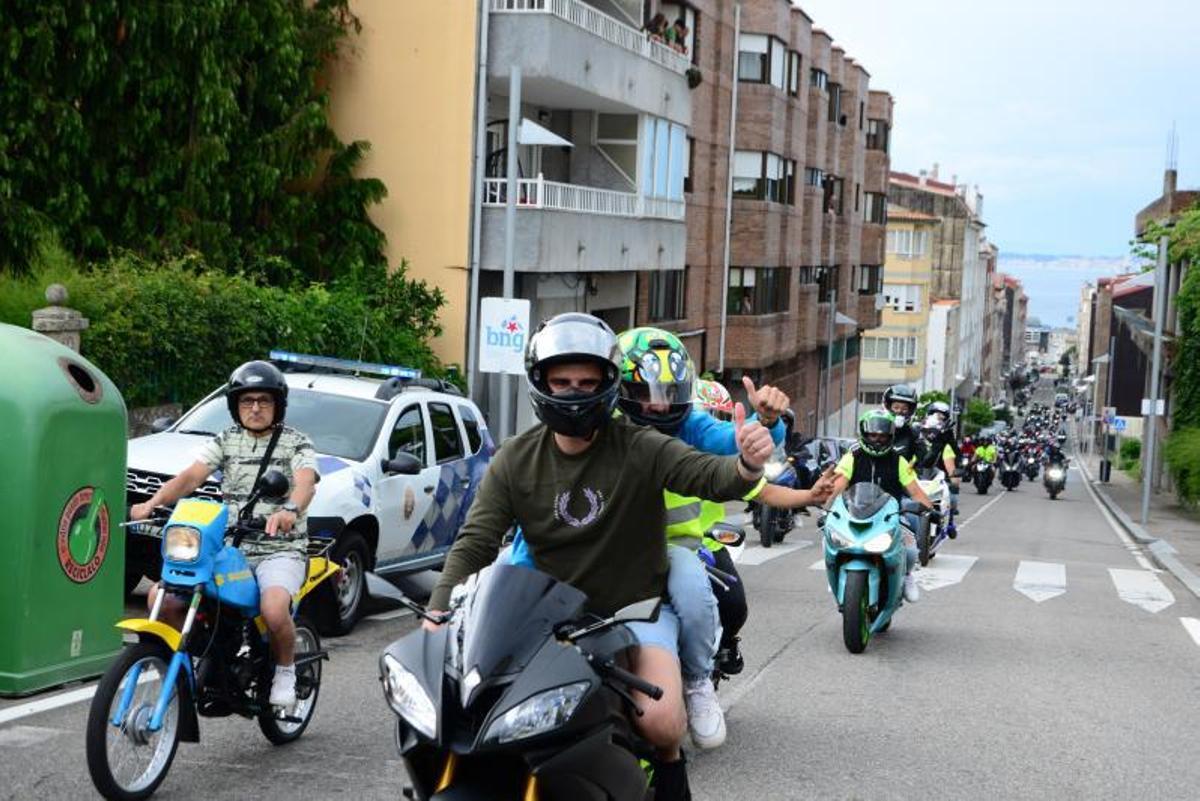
864,561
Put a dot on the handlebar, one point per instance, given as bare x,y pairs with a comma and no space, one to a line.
608,668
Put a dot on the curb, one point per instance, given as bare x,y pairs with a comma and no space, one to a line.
1161,551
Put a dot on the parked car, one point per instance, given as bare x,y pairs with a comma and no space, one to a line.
362,419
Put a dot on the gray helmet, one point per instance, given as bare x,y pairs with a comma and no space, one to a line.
573,338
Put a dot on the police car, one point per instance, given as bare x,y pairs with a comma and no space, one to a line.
400,458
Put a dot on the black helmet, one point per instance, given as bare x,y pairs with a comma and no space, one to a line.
876,432
904,393
257,376
573,338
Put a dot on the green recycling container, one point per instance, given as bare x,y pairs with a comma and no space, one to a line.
62,502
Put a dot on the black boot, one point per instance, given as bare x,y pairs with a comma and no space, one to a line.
670,780
729,658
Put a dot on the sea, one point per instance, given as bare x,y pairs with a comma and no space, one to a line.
1053,283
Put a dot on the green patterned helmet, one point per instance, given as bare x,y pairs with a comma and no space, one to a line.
876,432
656,370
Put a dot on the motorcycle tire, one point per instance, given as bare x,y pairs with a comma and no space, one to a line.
766,525
780,520
160,753
856,617
923,538
1053,494
275,724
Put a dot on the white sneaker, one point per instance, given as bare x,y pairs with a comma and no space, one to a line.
283,687
706,721
912,593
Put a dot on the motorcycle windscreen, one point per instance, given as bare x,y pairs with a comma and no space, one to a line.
509,613
865,500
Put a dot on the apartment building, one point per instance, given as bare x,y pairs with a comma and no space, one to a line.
604,113
957,274
786,299
896,351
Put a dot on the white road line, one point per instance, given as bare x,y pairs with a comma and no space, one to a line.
58,701
818,565
985,507
1193,627
1040,581
389,615
1141,588
1134,549
757,556
947,569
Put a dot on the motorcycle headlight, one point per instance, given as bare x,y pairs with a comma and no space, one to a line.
879,543
181,544
771,470
839,539
1054,474
541,713
407,697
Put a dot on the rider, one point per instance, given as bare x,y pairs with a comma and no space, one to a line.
939,428
874,458
900,400
986,451
257,398
586,489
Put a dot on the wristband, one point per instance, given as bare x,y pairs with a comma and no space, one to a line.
754,473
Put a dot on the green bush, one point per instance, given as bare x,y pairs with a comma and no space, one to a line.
1182,454
172,332
1131,451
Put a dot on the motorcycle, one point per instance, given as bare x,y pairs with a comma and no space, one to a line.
1010,471
865,561
1031,467
982,474
931,535
727,662
519,696
1054,478
774,524
219,664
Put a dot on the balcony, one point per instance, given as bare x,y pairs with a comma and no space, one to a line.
573,55
564,227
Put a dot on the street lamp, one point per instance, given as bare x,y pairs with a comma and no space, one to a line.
1160,311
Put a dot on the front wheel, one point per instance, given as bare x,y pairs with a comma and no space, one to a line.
125,759
1053,494
856,617
765,525
923,537
282,726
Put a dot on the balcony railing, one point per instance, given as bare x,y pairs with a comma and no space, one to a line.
597,22
538,193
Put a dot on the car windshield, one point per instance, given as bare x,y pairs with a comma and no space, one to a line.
337,425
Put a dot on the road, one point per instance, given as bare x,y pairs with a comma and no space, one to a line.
1044,660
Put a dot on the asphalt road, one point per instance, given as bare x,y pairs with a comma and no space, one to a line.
1083,685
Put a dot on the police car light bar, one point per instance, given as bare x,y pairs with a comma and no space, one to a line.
343,365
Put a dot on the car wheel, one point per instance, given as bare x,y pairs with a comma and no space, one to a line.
350,585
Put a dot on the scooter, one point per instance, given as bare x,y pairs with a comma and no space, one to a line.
1054,478
520,695
774,524
982,474
1010,471
219,664
931,535
864,561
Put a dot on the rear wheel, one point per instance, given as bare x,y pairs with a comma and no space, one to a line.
856,618
766,524
282,726
923,537
126,760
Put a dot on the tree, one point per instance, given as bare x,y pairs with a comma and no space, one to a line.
979,414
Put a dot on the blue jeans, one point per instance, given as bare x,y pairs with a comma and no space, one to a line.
694,604
912,521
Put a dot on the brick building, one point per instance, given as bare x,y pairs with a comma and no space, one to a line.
806,237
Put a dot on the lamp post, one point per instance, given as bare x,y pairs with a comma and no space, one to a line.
1160,311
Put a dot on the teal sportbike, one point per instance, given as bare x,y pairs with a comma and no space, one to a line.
864,561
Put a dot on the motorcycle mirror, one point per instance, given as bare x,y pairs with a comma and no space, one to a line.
730,536
273,486
646,610
380,587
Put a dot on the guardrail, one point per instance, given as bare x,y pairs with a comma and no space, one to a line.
538,193
597,22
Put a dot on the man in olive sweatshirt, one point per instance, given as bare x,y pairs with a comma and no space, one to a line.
586,490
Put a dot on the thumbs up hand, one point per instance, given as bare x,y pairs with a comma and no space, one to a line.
767,401
754,442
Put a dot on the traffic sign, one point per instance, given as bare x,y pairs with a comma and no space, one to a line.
1118,424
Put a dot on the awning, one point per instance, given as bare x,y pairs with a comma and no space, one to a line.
842,319
530,133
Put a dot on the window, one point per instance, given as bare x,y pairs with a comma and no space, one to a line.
409,435
663,158
818,78
902,297
857,196
807,274
827,282
474,439
689,163
747,169
868,279
870,398
617,138
793,73
834,188
778,63
763,176
908,243
813,176
876,208
835,104
667,294
877,135
447,444
862,114
762,59
899,351
691,19
758,290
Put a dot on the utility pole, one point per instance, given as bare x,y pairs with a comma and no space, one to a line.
510,228
1160,311
829,361
1105,464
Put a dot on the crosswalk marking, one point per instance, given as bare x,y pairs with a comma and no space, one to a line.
1141,588
1193,627
946,570
757,556
1040,581
818,565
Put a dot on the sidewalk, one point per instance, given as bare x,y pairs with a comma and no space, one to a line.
1172,533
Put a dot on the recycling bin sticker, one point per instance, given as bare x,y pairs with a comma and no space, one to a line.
83,535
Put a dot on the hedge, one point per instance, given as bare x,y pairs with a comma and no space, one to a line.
1182,454
173,331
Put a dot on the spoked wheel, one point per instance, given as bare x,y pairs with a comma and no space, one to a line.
126,759
282,726
856,616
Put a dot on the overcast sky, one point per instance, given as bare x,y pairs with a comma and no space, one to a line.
1058,109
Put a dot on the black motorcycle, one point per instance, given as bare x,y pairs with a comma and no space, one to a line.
1010,471
519,696
1054,478
982,475
1030,466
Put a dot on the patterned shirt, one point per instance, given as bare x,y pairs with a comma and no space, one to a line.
238,454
